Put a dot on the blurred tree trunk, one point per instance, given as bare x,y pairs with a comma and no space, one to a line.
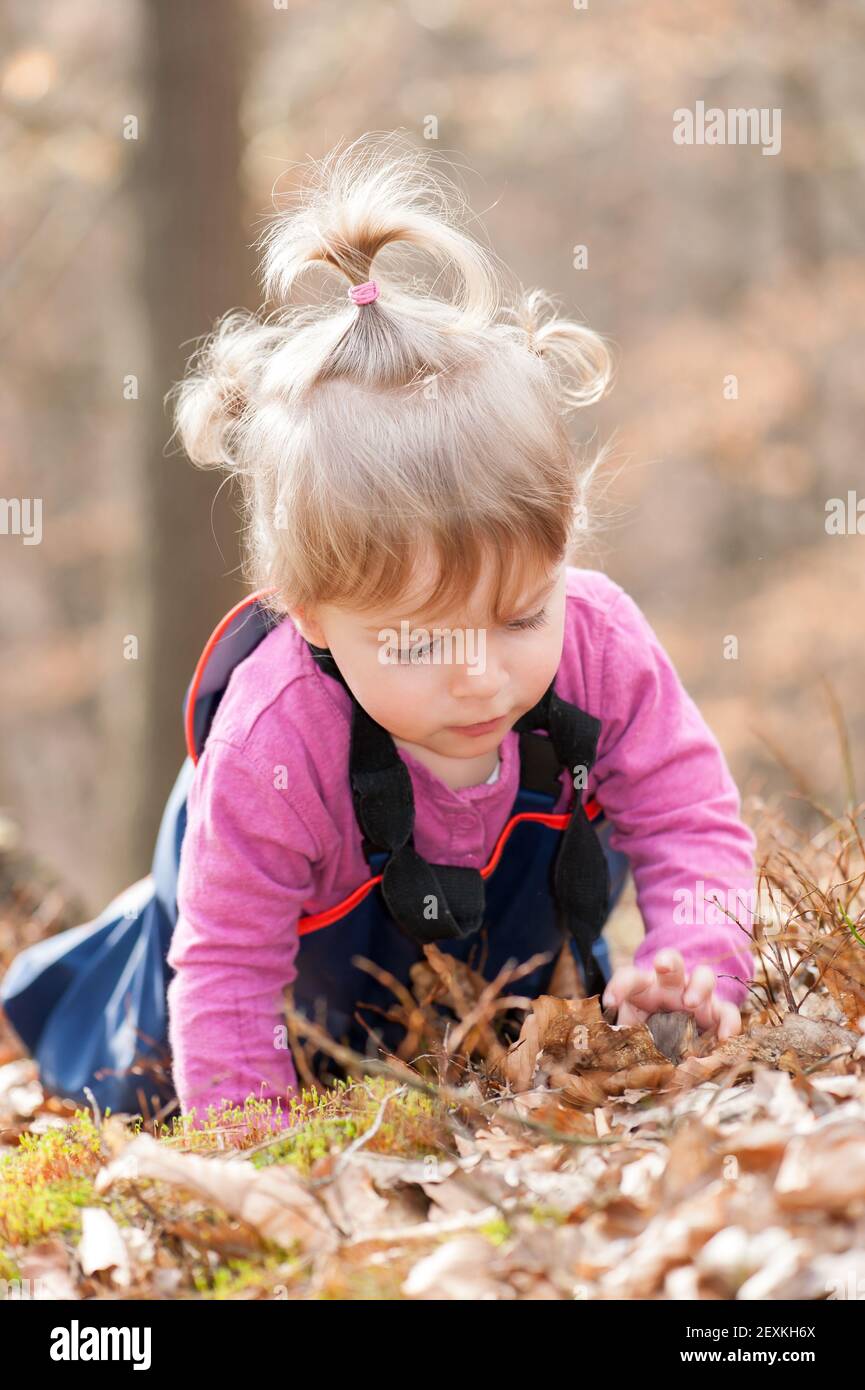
195,266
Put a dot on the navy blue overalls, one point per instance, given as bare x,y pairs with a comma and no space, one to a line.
90,1002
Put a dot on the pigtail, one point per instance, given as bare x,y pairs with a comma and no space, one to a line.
579,357
367,196
362,200
212,402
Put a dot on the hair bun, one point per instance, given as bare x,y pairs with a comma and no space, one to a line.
379,191
579,356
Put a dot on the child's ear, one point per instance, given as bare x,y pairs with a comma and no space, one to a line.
307,626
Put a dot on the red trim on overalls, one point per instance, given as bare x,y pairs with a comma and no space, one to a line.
198,674
556,821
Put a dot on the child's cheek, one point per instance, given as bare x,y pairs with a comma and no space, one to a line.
403,699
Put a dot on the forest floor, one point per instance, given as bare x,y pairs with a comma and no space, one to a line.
582,1161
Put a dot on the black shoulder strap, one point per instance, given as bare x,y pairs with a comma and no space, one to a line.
540,768
429,902
439,901
581,876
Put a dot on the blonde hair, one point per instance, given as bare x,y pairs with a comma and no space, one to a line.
434,416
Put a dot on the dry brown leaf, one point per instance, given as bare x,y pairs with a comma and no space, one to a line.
782,1100
500,1143
691,1162
229,1239
647,1076
388,1171
455,1195
807,1040
824,1169
273,1200
569,1120
616,1047
460,1269
351,1201
758,1145
638,1177
784,1274
735,1253
46,1271
588,1090
424,1231
21,1091
670,1239
569,1038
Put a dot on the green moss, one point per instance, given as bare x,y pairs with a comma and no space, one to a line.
47,1179
234,1278
316,1121
226,1126
497,1230
370,1284
548,1216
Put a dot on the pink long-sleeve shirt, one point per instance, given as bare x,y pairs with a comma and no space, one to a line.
271,833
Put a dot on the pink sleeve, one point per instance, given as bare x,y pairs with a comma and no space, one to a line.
674,807
245,871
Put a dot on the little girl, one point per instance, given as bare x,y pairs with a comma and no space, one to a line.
414,750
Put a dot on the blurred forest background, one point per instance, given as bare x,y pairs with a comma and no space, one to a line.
140,147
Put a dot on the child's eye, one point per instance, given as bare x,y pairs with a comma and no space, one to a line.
419,650
521,624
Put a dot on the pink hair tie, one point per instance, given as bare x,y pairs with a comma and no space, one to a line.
365,293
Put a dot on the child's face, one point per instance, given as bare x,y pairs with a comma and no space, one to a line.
465,671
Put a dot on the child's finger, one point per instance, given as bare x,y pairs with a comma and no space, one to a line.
627,980
729,1019
630,1013
700,987
670,969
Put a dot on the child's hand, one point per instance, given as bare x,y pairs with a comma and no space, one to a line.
667,988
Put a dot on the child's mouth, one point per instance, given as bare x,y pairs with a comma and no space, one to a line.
476,730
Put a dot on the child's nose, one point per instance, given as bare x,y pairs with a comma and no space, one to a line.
479,679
